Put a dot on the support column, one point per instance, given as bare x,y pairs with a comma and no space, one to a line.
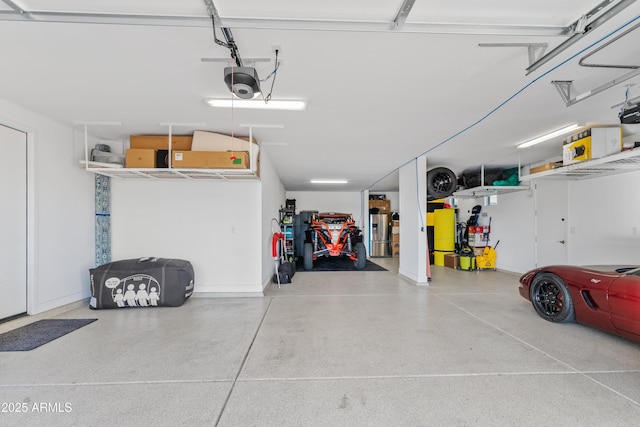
414,256
103,219
364,208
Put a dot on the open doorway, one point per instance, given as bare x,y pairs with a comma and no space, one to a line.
13,223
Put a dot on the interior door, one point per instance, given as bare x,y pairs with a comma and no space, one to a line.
551,198
13,222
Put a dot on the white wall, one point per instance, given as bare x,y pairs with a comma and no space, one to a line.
604,220
512,224
61,210
213,224
603,223
222,228
326,201
273,197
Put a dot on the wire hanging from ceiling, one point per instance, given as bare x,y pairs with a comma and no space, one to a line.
230,44
510,98
274,73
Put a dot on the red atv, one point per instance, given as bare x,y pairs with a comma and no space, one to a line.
334,234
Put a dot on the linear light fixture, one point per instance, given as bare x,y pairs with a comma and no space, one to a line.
258,104
549,136
329,181
260,125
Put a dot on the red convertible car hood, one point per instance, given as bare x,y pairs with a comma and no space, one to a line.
574,273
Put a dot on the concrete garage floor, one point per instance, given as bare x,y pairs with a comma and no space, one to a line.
331,349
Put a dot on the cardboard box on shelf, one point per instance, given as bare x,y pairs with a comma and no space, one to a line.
577,151
210,159
383,206
545,167
140,158
213,141
591,144
161,142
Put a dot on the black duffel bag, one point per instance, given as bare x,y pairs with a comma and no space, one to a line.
141,282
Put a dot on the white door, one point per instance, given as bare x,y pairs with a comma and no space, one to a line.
13,222
551,222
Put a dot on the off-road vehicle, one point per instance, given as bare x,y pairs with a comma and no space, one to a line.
333,234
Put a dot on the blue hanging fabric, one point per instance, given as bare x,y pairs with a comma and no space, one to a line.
103,219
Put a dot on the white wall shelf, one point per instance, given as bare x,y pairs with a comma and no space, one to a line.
488,190
625,161
485,190
202,174
117,171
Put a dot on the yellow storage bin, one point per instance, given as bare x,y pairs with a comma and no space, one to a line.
444,229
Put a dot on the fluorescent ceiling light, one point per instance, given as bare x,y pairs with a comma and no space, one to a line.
329,181
549,136
257,104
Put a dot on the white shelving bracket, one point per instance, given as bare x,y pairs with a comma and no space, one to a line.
86,136
489,190
170,126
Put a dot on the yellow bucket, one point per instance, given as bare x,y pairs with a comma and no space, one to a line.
487,261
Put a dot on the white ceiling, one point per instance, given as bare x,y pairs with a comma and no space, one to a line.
378,95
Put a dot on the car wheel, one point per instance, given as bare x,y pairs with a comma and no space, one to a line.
441,183
361,256
308,256
551,298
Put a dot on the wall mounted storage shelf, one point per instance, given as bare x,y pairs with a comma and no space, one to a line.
488,190
625,161
117,171
485,191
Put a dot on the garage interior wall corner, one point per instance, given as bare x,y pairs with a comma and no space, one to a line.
60,210
273,197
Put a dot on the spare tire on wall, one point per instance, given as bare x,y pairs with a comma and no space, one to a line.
441,183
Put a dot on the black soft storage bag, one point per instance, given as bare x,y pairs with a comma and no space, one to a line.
143,282
286,270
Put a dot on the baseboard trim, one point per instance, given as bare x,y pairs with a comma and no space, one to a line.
25,320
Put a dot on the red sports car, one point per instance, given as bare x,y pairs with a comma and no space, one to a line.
605,297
